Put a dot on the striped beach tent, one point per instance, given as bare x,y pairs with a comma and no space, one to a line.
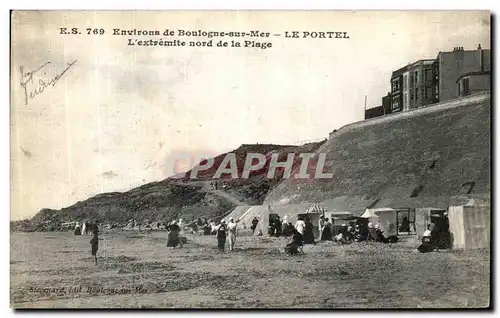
316,208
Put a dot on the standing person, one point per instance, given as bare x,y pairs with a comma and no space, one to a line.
259,228
405,225
277,227
182,237
221,235
173,235
326,231
255,222
213,227
434,239
78,229
84,228
285,231
321,225
94,243
231,226
309,232
271,228
300,225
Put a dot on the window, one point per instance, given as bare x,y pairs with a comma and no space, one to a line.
411,96
395,85
416,95
429,92
411,79
465,85
395,102
425,93
428,75
405,85
416,77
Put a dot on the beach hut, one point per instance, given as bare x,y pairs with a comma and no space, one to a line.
294,211
423,219
338,219
470,226
314,212
385,217
290,211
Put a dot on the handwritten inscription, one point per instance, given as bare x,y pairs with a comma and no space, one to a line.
35,82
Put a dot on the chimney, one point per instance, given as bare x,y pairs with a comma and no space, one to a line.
481,57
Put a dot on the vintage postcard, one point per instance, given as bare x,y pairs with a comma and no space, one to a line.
250,159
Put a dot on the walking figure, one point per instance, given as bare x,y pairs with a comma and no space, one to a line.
94,243
221,235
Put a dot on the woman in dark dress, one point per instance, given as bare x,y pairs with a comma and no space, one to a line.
427,244
94,243
255,221
284,230
173,235
221,236
326,231
292,248
277,227
308,232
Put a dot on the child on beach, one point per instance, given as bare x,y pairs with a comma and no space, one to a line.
94,242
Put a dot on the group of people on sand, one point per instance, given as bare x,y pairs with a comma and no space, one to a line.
176,235
360,233
303,226
202,226
84,228
224,231
437,236
302,233
89,228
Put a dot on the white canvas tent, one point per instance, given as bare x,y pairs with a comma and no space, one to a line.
385,217
470,226
245,215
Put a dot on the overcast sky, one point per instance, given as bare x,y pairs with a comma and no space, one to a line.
117,115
